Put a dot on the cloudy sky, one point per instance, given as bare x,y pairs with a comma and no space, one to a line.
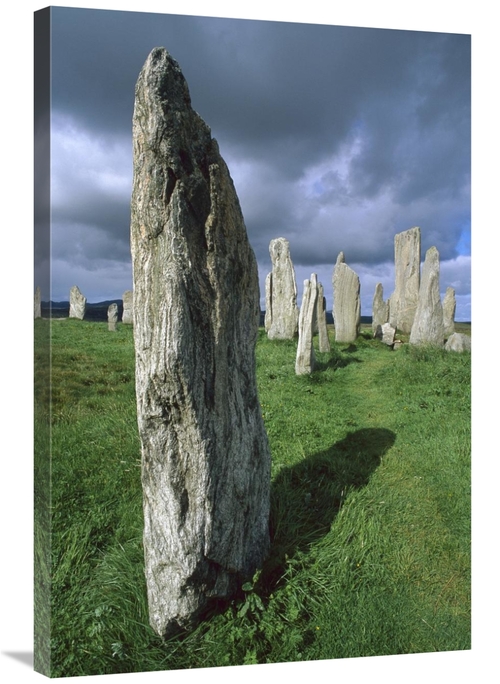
337,138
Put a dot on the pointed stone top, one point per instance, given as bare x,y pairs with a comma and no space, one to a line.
432,254
341,258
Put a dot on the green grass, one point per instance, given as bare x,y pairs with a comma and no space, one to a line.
370,518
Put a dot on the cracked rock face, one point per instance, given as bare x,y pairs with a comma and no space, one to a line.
77,303
403,301
205,454
305,358
282,313
428,325
346,302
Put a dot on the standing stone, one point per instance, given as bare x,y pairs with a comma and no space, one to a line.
380,309
38,303
323,341
428,327
346,302
205,454
403,301
284,318
269,312
449,308
128,307
112,317
458,343
304,362
77,303
386,334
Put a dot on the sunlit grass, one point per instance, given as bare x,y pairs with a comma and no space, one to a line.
370,518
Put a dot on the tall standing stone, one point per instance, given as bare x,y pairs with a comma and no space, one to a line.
77,303
284,320
38,303
305,359
112,317
428,327
268,317
205,454
346,302
380,310
323,341
449,308
403,301
128,307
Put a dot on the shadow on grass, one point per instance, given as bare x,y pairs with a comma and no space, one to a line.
335,359
305,498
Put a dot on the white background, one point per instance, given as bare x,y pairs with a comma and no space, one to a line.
16,249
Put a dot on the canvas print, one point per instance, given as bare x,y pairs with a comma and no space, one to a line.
252,342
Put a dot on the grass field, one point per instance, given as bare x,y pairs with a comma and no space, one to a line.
370,517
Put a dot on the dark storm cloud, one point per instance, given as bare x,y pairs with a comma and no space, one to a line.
336,137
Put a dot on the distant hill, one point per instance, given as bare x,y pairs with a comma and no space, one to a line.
97,311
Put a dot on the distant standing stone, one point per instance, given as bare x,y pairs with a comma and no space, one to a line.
458,342
269,313
205,454
449,308
323,341
386,334
304,362
284,317
380,309
403,301
38,303
77,303
346,302
128,307
428,326
112,317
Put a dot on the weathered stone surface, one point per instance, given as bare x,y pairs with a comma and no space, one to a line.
380,309
77,303
449,308
268,315
128,307
346,302
305,359
403,301
397,344
458,342
323,341
385,333
428,327
284,316
38,303
205,453
112,317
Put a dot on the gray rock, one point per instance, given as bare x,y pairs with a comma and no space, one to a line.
346,302
269,312
380,309
305,359
397,344
449,308
284,317
403,301
128,307
38,303
205,453
386,334
458,342
323,341
428,326
112,317
77,303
